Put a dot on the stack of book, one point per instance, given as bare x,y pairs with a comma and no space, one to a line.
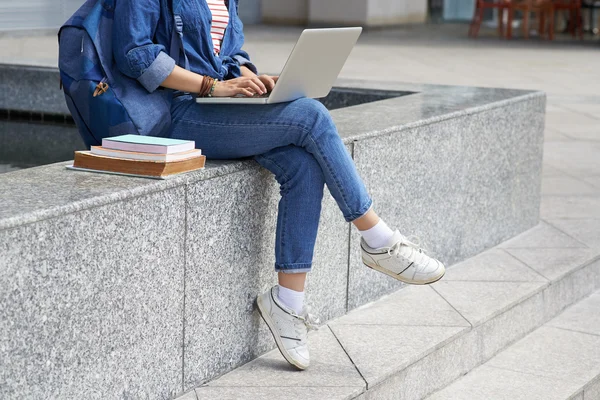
141,156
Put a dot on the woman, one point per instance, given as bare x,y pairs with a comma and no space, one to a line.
296,141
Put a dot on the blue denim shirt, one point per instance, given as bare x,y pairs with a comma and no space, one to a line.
142,38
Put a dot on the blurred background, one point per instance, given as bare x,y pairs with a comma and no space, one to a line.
39,15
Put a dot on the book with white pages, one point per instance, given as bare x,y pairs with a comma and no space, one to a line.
134,155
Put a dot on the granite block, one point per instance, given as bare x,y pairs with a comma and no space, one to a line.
554,263
480,301
38,193
329,367
592,392
499,384
461,355
96,312
497,333
586,231
580,207
28,88
412,306
554,353
382,356
230,260
433,372
581,317
566,186
462,185
279,393
446,364
542,236
571,288
493,265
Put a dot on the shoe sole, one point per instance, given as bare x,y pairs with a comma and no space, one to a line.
399,278
271,325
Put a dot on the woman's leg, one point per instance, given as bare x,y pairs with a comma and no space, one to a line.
235,131
301,186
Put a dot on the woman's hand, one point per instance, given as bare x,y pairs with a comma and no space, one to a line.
268,81
246,85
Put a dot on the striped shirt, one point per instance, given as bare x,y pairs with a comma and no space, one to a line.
220,19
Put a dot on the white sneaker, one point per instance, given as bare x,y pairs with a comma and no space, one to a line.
403,260
289,329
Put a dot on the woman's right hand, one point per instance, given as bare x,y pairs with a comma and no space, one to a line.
245,85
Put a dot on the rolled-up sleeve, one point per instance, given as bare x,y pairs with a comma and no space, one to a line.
135,54
243,58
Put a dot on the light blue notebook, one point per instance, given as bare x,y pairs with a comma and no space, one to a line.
148,140
148,144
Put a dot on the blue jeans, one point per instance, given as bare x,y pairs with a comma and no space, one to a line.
300,145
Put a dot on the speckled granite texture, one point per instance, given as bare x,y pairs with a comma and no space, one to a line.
41,84
91,302
458,166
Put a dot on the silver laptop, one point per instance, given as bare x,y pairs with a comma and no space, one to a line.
311,69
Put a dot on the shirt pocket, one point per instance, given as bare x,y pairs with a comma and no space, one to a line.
195,16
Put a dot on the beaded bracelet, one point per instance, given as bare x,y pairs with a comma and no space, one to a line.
212,88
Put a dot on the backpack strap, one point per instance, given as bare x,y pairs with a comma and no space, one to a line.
177,47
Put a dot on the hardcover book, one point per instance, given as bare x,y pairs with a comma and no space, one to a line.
157,169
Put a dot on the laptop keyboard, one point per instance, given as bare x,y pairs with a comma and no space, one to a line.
256,96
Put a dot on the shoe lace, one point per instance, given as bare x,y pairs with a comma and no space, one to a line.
418,254
310,321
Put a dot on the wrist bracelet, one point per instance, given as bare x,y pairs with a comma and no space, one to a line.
206,86
212,88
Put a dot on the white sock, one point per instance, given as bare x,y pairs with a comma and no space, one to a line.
292,299
378,236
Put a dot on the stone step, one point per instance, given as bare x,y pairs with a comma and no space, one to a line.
558,361
418,340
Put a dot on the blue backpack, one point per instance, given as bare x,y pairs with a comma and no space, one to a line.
103,101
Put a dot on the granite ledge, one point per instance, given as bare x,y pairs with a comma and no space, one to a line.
432,104
112,192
